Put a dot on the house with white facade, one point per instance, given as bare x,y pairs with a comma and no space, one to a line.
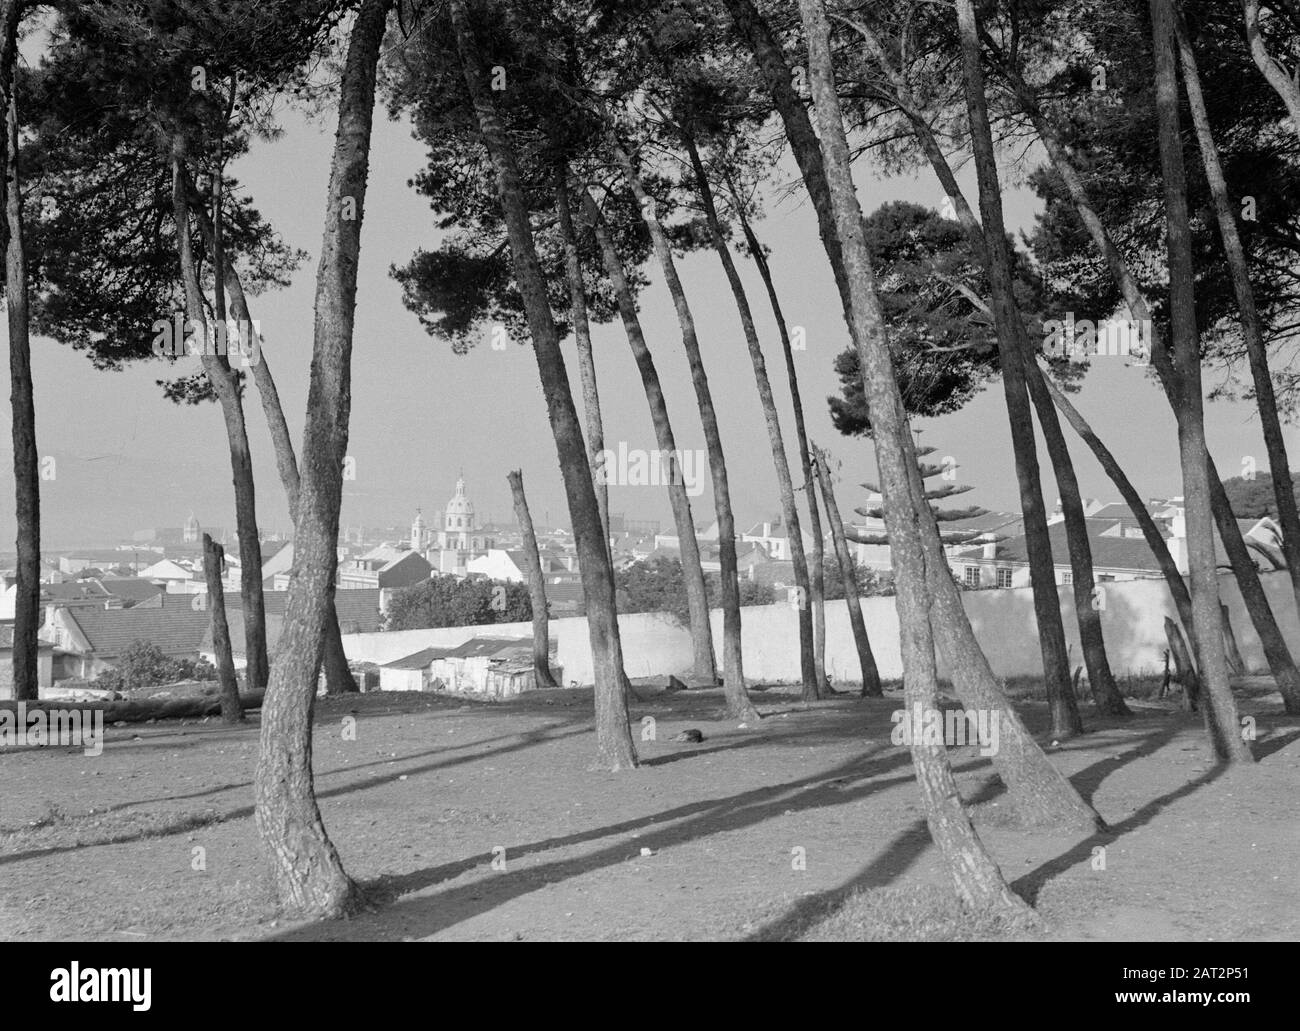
499,564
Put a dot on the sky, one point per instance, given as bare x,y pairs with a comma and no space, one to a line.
126,459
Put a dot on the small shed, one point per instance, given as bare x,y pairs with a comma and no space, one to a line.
497,667
411,672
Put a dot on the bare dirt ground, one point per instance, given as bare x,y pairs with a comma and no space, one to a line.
483,821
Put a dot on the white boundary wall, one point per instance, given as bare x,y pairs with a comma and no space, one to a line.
654,645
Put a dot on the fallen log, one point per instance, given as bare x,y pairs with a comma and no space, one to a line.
140,711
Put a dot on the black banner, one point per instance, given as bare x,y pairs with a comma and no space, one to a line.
164,980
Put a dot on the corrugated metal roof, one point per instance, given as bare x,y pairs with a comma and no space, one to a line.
477,647
417,660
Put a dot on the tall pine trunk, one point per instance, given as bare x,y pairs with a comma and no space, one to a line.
817,575
213,564
1041,794
613,735
1087,601
739,705
697,599
1280,661
811,678
1101,680
1251,327
1220,706
978,882
27,471
582,335
1150,531
338,675
225,386
587,374
309,875
774,71
871,687
1047,604
536,584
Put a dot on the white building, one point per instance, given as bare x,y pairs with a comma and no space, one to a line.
499,564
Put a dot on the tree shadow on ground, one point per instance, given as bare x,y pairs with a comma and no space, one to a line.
1031,884
532,737
421,916
578,723
440,749
906,847
696,753
910,843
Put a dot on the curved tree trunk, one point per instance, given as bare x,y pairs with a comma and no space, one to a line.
1280,661
613,735
250,550
582,334
1277,77
1220,706
871,687
1047,604
817,574
309,875
812,680
1100,678
977,880
697,598
1251,329
225,385
739,705
774,71
27,461
338,674
1041,794
1154,538
587,374
1087,603
1272,642
536,585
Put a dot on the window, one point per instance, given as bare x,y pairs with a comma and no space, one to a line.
1004,577
1067,577
971,575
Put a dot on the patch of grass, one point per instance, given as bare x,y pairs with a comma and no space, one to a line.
51,817
1143,686
913,913
1133,685
58,830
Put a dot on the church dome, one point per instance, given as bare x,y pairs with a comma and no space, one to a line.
460,510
